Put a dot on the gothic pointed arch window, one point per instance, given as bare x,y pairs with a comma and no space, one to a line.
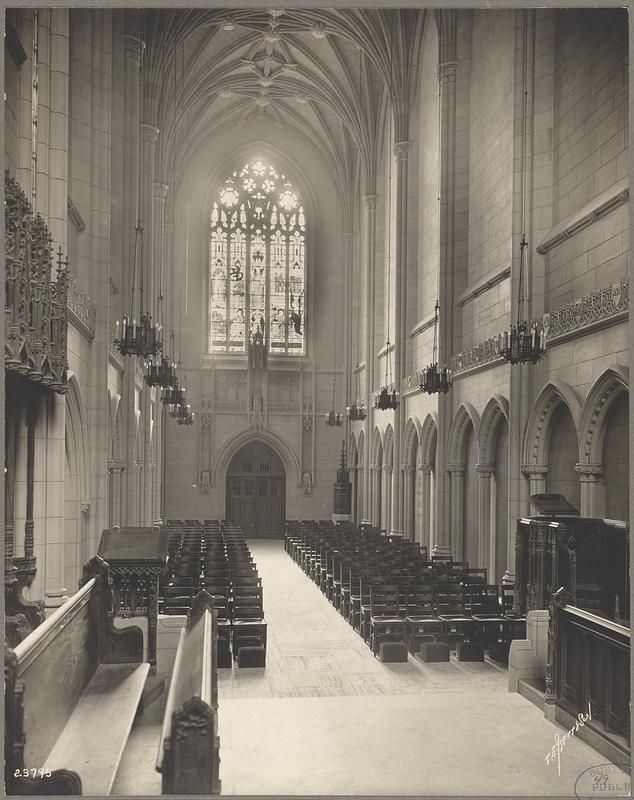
257,260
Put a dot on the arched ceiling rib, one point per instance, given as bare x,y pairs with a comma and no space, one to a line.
323,74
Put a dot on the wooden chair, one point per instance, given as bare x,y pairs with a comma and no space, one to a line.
421,620
386,623
61,682
450,609
188,756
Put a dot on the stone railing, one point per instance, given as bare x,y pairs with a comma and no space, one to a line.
81,312
602,306
596,307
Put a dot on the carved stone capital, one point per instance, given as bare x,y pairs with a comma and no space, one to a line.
534,470
387,468
133,49
149,133
85,506
485,470
425,469
160,191
447,71
347,237
456,469
589,472
369,200
401,151
408,468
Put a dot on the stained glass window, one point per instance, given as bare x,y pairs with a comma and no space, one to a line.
257,262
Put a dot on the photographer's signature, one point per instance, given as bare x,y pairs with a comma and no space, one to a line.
560,741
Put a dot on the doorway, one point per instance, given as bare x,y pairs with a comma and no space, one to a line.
256,498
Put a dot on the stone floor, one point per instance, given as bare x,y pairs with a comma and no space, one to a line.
326,717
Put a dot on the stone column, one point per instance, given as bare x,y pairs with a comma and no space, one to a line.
133,48
588,478
409,493
160,194
360,484
447,70
388,488
149,136
456,544
401,151
25,100
376,495
536,474
347,239
369,204
485,473
426,536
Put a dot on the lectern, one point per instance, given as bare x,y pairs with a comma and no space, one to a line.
136,557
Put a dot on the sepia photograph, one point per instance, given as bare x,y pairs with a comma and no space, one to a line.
316,400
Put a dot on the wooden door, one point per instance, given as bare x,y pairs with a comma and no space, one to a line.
256,492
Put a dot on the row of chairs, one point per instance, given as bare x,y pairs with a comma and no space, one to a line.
391,592
213,555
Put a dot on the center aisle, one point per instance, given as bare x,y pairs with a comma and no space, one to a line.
326,717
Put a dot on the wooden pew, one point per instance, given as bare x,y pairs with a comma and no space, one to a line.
188,756
72,688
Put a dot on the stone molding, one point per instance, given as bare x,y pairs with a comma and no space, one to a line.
422,325
607,201
81,312
484,284
425,469
481,356
160,191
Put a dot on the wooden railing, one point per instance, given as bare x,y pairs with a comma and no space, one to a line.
588,670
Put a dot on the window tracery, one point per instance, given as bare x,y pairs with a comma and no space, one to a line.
257,259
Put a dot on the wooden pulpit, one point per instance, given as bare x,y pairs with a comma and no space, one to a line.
137,557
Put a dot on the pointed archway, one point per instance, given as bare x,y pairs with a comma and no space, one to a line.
256,491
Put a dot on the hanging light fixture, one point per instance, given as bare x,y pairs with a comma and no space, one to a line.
524,342
356,410
387,397
142,338
333,418
434,379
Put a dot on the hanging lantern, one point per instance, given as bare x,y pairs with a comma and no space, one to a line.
334,418
160,373
356,410
386,398
523,342
138,340
183,414
434,378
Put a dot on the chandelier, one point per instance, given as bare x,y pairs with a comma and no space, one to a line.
356,411
182,414
524,342
333,418
174,395
434,379
386,397
160,373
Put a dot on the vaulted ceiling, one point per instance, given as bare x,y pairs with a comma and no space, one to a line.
327,75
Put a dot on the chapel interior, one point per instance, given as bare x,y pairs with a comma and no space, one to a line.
316,401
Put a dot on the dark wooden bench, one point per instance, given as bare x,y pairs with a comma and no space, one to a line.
72,689
188,756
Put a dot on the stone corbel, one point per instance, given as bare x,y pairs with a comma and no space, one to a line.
85,506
